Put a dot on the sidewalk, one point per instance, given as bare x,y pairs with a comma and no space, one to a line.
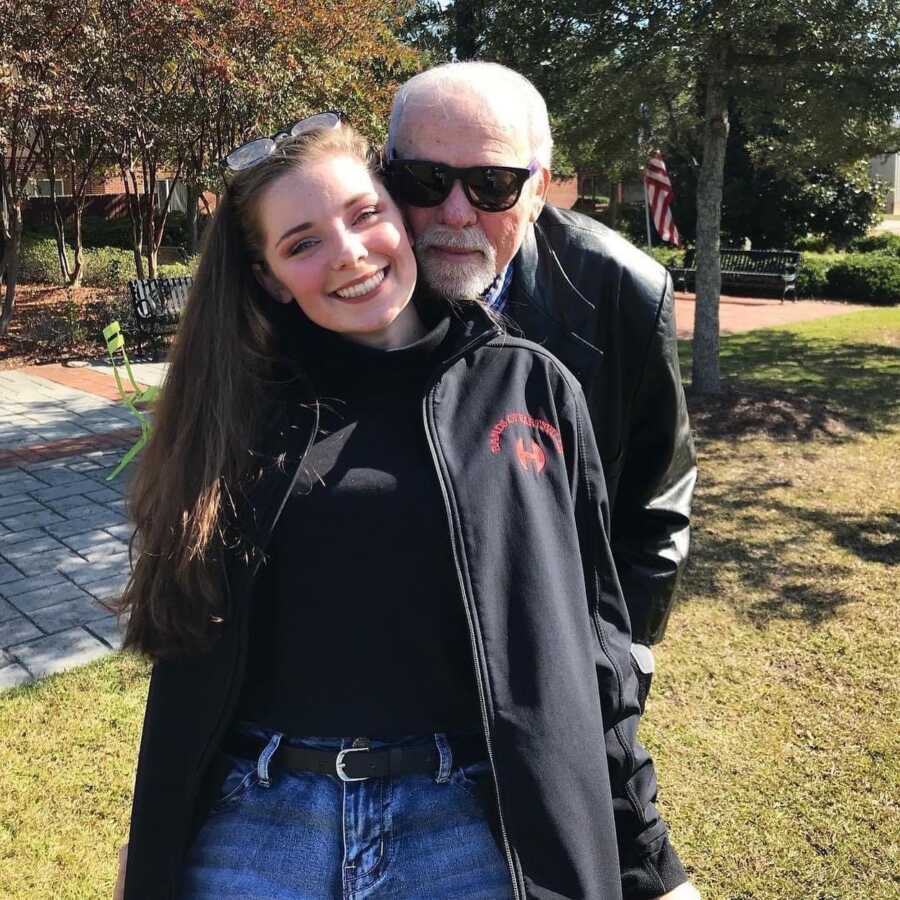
746,313
63,531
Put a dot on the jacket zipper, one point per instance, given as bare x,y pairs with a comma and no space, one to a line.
485,722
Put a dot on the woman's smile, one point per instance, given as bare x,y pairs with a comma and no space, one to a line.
363,288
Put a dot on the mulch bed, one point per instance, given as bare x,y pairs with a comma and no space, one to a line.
747,411
41,328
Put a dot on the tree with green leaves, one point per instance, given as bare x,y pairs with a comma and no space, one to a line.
28,44
819,78
72,140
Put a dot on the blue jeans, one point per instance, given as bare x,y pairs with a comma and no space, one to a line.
296,835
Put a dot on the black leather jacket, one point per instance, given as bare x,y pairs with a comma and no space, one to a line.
607,311
528,517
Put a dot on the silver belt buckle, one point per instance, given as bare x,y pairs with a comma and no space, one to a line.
339,763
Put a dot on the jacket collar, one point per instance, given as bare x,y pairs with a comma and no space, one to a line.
546,304
294,429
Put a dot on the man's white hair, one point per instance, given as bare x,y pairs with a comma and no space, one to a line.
500,88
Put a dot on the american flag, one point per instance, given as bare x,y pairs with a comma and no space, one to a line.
659,198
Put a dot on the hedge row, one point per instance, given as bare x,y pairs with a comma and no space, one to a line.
872,277
869,276
103,266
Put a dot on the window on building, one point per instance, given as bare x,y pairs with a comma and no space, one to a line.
164,188
40,187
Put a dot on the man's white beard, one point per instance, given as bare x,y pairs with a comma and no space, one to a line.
456,281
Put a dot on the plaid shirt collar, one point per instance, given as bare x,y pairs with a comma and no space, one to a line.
494,298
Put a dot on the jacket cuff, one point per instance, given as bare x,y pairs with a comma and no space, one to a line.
657,873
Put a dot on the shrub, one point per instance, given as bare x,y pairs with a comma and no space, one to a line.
812,276
667,256
39,261
885,242
178,270
108,267
872,277
103,266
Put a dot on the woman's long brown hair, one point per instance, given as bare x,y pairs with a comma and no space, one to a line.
224,369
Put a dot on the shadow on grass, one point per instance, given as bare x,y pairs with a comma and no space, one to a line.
756,563
769,553
791,387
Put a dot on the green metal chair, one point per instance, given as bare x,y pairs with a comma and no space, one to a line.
134,397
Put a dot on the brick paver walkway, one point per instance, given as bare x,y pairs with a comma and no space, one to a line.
747,313
63,531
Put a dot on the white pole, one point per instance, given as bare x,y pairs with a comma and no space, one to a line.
647,214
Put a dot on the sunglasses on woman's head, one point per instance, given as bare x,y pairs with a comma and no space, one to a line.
420,182
255,151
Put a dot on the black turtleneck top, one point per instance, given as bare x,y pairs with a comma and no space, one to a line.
358,627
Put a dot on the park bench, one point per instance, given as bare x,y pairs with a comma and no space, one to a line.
158,304
747,269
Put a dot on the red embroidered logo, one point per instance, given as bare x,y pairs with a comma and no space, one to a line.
533,457
530,454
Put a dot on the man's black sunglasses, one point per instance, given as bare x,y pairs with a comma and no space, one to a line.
420,182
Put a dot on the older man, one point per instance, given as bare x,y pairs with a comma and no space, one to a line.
482,229
470,151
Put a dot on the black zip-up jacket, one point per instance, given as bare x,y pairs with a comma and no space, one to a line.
515,458
607,311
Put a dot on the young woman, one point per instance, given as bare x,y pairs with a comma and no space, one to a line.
391,652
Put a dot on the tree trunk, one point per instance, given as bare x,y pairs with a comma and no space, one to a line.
59,223
615,203
706,377
78,267
10,263
151,248
192,215
59,220
149,198
5,234
152,261
136,217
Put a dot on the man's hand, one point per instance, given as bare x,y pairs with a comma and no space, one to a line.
119,889
644,665
684,891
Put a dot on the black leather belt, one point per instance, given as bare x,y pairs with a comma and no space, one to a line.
360,763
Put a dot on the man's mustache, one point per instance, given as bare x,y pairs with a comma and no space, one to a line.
472,239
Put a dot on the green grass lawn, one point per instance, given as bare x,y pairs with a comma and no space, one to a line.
774,716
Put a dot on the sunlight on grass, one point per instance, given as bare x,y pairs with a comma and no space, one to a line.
68,747
774,716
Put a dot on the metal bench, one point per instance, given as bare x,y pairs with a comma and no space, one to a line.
773,269
158,304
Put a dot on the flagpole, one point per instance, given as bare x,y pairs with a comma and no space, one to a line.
647,215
